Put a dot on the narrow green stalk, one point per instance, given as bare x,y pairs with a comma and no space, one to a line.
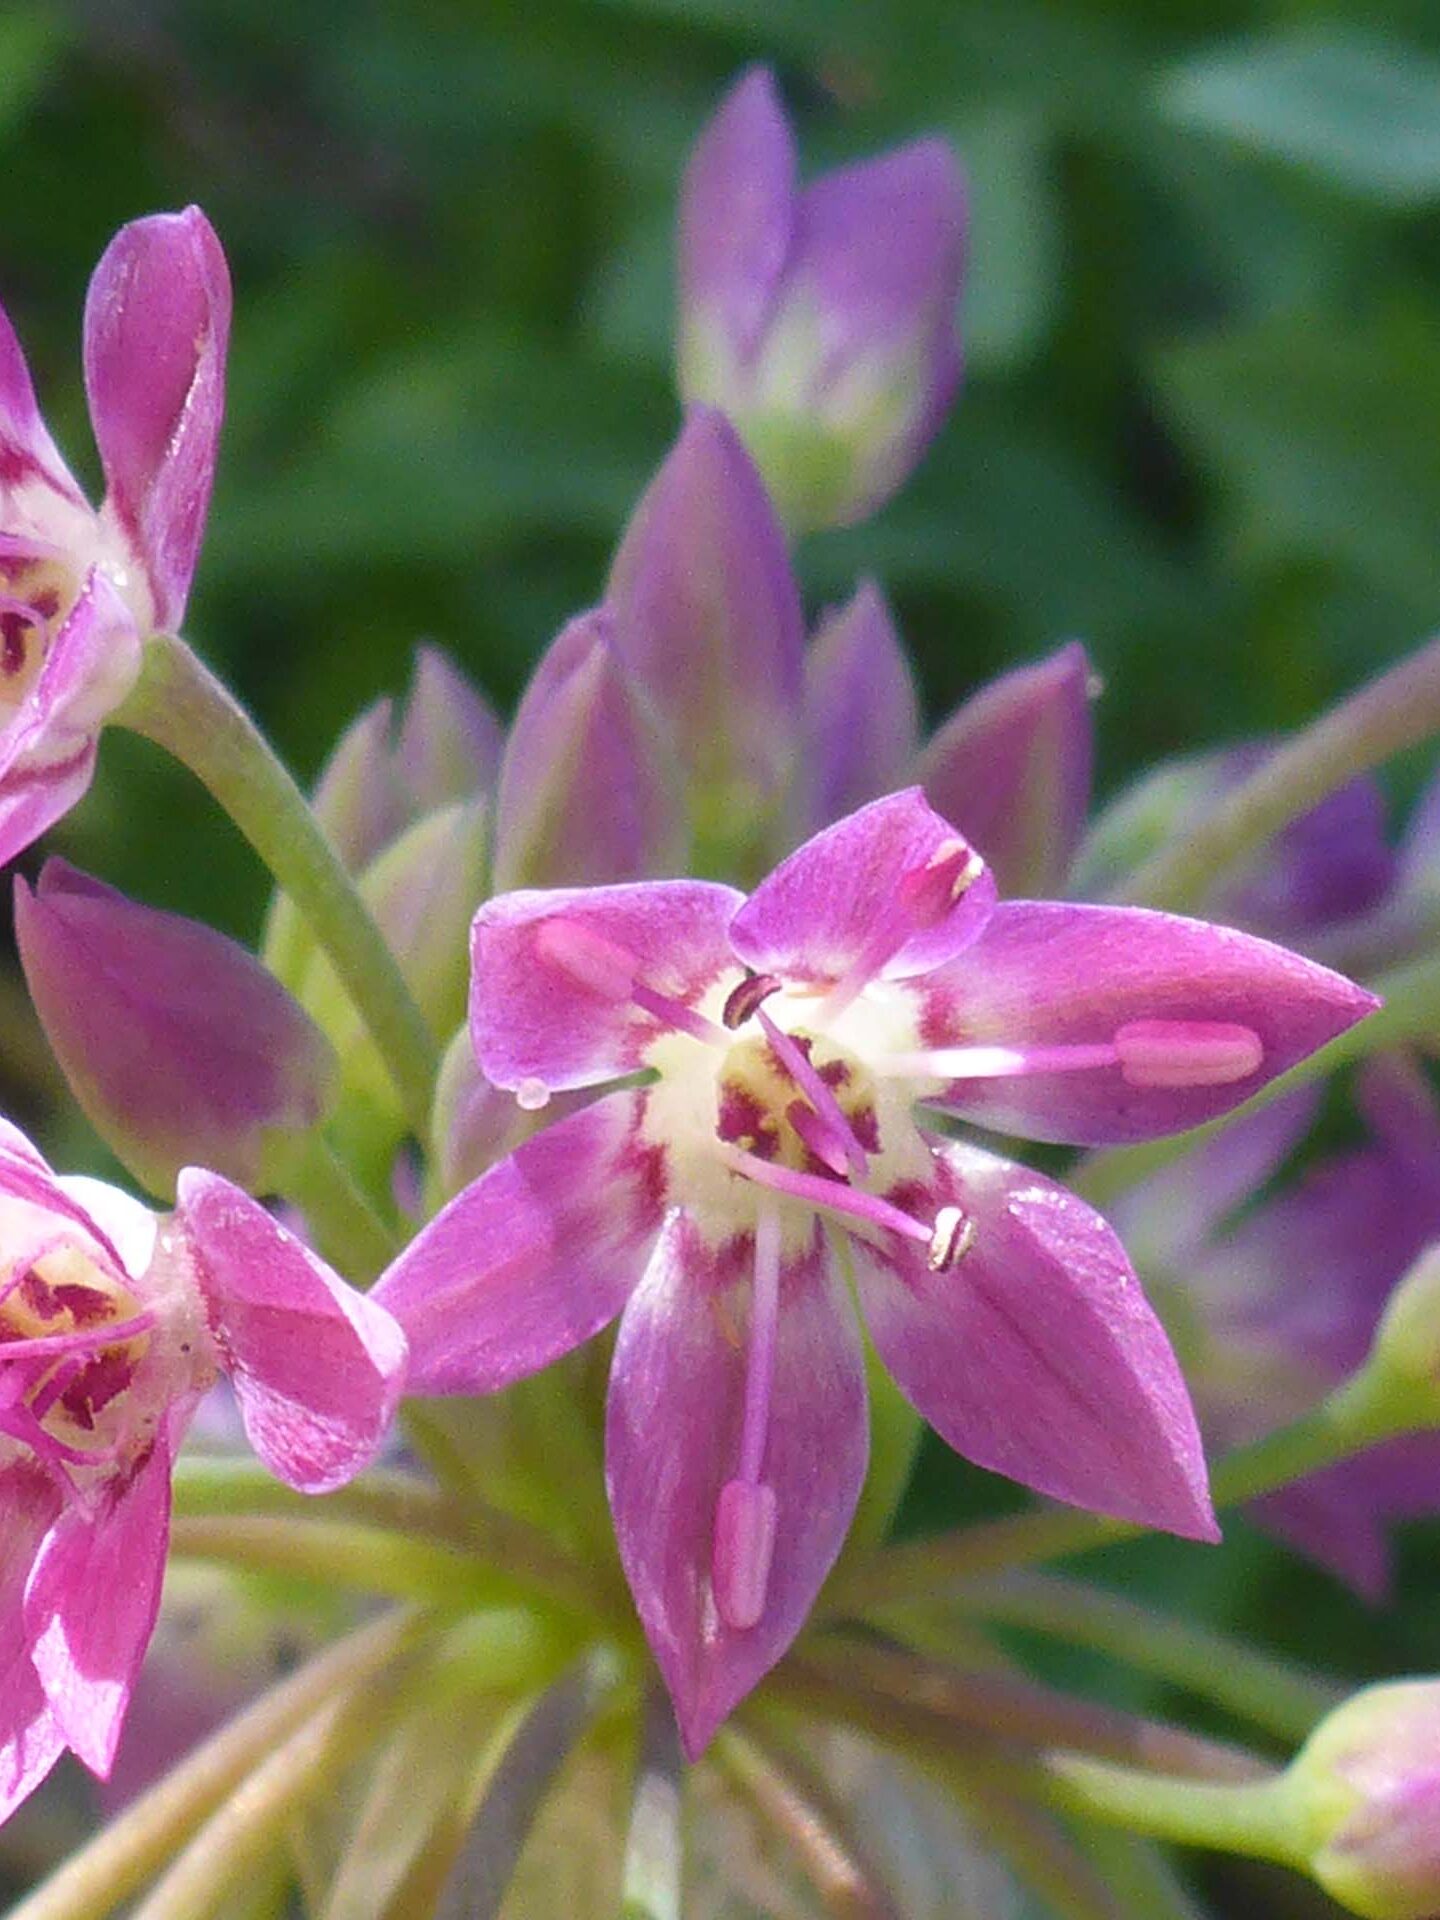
205,1486
1411,1012
1398,710
652,1874
1354,1417
1253,1817
239,1838
797,1806
124,1855
1268,1692
371,1559
348,1231
181,706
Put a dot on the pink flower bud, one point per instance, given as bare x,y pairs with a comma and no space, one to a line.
175,1041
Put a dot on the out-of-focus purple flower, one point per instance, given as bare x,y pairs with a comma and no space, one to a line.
177,1043
112,1326
822,320
788,1038
80,590
589,790
704,613
1010,768
1271,1313
1363,1800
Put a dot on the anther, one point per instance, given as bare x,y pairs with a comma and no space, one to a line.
1187,1053
745,1517
746,999
952,1239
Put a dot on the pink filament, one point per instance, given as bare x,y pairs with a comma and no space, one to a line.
746,1512
1149,1053
922,898
837,1131
606,968
832,1196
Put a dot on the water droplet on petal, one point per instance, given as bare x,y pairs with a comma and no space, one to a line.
532,1095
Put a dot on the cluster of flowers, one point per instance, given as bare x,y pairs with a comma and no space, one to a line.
721,1118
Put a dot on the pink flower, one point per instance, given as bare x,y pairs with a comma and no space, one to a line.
773,1154
80,590
112,1326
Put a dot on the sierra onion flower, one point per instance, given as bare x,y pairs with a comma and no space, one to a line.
113,1325
773,1150
81,589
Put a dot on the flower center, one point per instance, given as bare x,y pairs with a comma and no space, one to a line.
797,1100
71,1341
37,589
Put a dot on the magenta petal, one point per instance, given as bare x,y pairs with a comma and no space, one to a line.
737,205
539,1254
1044,974
533,1019
1037,1355
28,456
47,753
91,1605
672,1442
317,1367
707,618
588,790
157,324
861,714
30,1739
822,911
1012,769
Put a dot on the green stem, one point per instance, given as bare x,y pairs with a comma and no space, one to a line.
124,1855
1252,1817
652,1874
205,1486
1354,1417
181,706
1265,1691
348,1231
1399,709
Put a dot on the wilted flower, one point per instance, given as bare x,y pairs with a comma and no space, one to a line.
80,590
113,1324
177,1043
788,1038
822,319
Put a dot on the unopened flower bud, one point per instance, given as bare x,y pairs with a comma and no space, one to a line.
1406,1347
821,320
1364,1794
177,1043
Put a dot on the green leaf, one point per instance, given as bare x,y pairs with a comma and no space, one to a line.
1361,110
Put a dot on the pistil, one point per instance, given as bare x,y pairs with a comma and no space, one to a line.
841,1149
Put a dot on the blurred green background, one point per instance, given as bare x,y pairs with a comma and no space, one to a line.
1201,425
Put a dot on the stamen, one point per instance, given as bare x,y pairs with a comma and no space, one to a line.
922,898
1149,1053
113,1333
1187,1053
817,1137
611,971
745,1514
825,1195
838,1132
746,998
952,1239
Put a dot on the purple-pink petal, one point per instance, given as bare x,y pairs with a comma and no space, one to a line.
157,325
28,456
450,742
91,1603
317,1368
588,789
672,1442
534,1013
1037,1354
737,207
47,753
541,1252
858,890
861,713
1012,769
30,1738
707,618
1049,975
